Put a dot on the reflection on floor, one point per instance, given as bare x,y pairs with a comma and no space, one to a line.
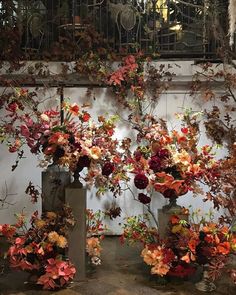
122,273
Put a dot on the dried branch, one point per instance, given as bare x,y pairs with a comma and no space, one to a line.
4,200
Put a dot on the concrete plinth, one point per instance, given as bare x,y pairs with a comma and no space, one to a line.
54,181
76,198
163,221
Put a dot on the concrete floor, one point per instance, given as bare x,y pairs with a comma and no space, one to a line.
122,273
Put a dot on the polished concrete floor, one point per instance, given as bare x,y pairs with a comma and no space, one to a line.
121,273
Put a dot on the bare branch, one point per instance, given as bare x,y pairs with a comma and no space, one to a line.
4,200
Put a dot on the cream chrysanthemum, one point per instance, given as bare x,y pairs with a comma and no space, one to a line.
61,242
53,237
51,215
39,223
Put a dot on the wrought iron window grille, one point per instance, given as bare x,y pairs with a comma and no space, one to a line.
170,28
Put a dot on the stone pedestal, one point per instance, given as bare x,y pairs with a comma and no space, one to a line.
164,218
54,181
75,196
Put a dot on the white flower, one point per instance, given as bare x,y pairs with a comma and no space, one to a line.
96,260
44,117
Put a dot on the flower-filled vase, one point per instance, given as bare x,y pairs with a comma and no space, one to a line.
172,196
167,211
205,285
172,207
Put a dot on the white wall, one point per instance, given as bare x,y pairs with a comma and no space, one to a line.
174,101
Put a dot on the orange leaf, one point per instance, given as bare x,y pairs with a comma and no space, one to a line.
224,248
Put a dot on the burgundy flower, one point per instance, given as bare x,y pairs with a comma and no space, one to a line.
108,168
71,139
12,107
173,171
35,148
75,146
182,271
113,212
163,153
59,152
144,198
141,181
170,194
137,155
155,163
83,162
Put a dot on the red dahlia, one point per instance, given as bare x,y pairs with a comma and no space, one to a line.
141,181
144,198
170,194
108,168
83,162
163,153
137,155
155,163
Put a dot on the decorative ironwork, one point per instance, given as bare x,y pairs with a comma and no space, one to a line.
167,27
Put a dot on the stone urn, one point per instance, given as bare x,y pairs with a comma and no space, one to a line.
165,213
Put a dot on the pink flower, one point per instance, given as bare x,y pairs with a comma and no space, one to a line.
47,281
24,131
12,107
56,269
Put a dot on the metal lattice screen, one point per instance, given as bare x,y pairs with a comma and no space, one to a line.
169,27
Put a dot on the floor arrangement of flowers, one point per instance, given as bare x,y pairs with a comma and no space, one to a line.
121,273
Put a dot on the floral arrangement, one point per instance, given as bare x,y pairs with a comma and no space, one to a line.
95,230
40,250
185,246
76,143
171,162
128,76
136,229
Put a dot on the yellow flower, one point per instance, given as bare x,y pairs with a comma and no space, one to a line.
61,242
39,223
93,247
51,215
95,152
53,237
44,117
183,158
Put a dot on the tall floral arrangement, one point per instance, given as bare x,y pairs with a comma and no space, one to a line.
171,162
76,142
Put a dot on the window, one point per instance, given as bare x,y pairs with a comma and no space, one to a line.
168,27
